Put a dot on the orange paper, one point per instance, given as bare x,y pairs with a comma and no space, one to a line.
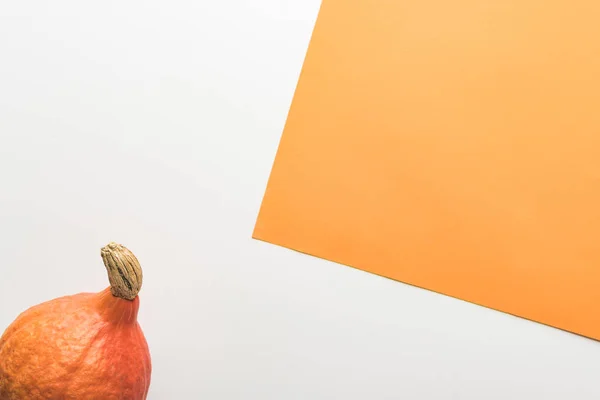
451,145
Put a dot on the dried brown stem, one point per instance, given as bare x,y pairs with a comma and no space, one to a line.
124,271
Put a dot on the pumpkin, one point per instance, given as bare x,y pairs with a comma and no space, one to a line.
84,346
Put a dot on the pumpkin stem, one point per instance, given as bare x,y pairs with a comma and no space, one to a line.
124,271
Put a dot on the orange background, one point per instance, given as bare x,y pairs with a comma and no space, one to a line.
453,146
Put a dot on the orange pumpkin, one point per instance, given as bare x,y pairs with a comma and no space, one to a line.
85,346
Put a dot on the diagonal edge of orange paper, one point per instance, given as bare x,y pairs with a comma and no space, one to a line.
273,241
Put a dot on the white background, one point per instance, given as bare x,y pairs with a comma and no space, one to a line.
155,124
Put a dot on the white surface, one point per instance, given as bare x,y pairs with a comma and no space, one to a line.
155,124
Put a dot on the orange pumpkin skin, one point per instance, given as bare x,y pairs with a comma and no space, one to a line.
86,346
81,347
